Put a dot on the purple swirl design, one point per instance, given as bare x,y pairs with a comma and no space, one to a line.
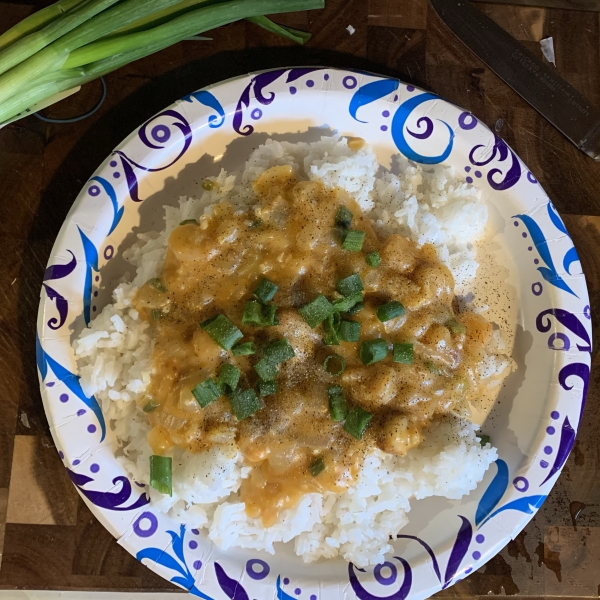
462,121
428,128
363,594
295,74
265,569
232,588
566,344
580,370
150,530
371,92
567,439
60,271
54,272
568,320
130,177
382,579
459,550
500,152
434,562
494,492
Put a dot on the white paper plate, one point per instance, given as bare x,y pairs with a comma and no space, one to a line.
533,424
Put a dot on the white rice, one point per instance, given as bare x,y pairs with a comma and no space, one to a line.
429,204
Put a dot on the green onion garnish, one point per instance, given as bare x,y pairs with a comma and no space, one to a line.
335,357
157,315
188,222
346,304
150,406
317,466
208,185
433,368
258,314
229,377
404,353
389,311
349,331
243,349
373,259
206,392
350,285
266,370
244,404
455,326
157,283
161,474
484,440
331,326
373,351
343,218
265,291
354,240
278,351
338,409
356,308
317,311
255,224
222,331
267,388
357,422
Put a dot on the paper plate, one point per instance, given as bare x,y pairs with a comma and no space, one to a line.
533,423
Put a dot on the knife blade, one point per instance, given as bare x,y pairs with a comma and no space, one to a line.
540,85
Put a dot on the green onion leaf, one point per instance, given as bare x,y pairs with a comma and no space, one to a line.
433,368
229,377
356,308
455,326
158,284
243,349
150,406
484,440
317,466
346,304
300,37
266,370
317,311
349,331
373,259
208,185
267,388
373,351
258,314
265,291
404,353
354,240
222,331
331,326
350,285
161,474
244,404
207,392
389,311
357,422
188,222
335,358
343,218
338,409
157,315
278,351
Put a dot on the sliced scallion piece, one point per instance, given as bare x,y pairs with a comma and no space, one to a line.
338,408
258,314
373,259
337,359
206,392
373,351
157,314
266,370
208,185
357,422
158,284
350,285
222,331
433,368
278,351
244,404
346,304
349,331
150,406
389,311
356,308
317,311
455,326
404,353
484,440
317,466
255,224
188,222
229,377
343,217
243,349
353,241
265,291
161,474
331,326
267,388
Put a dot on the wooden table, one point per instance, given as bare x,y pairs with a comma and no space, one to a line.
48,538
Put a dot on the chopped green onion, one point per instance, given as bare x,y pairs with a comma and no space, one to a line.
349,331
335,357
343,218
484,440
243,349
389,311
356,308
278,351
455,326
150,406
433,368
373,351
346,304
350,285
266,370
222,331
317,311
404,353
229,377
255,224
258,314
161,474
317,466
354,240
338,409
244,404
188,222
208,185
373,259
265,291
331,325
207,392
157,315
295,35
267,388
357,422
158,284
